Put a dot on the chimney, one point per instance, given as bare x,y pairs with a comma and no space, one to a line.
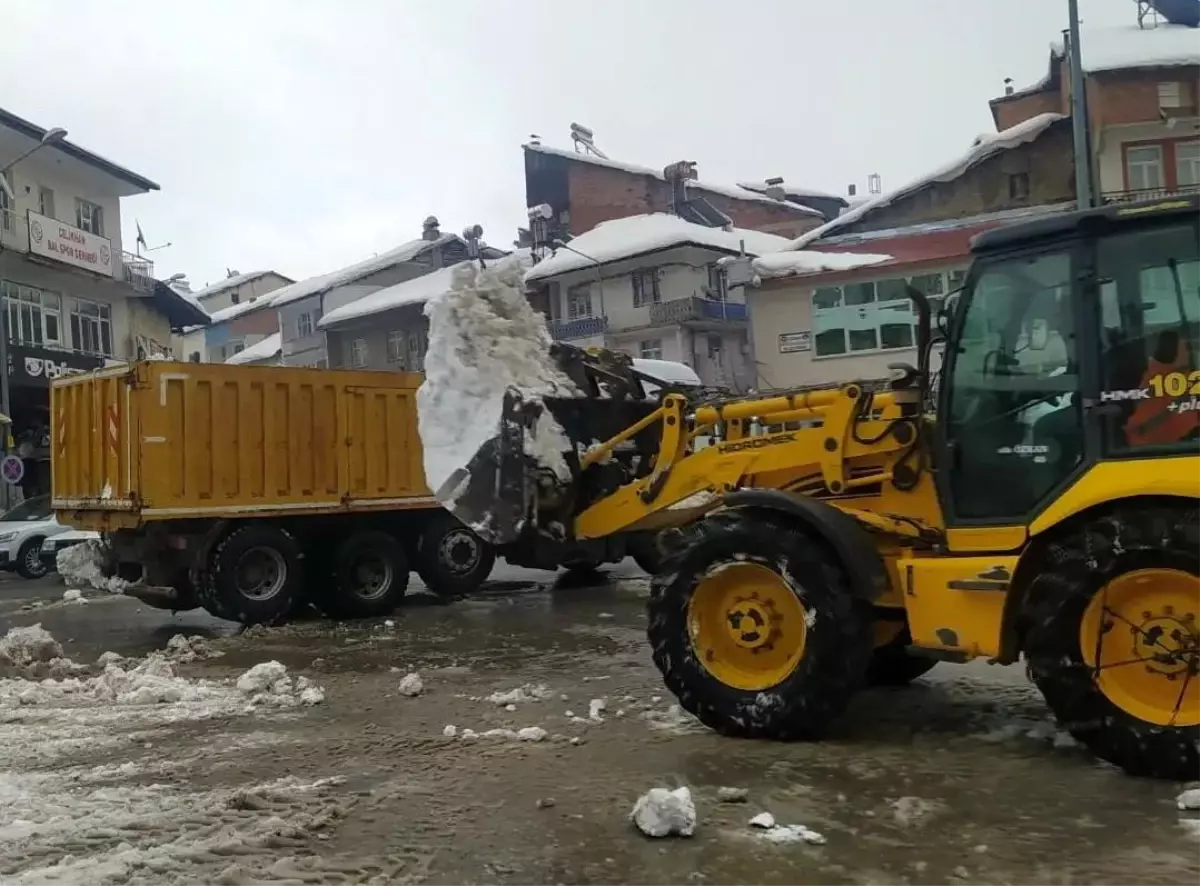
429,229
1008,87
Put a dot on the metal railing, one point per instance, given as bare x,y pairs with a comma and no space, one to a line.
1148,194
584,327
682,310
138,271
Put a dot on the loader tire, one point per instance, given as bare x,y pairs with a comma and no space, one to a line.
646,552
368,578
747,581
254,575
451,558
1123,590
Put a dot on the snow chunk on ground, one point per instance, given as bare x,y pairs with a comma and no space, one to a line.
596,707
526,692
183,648
269,684
1189,799
22,647
80,565
73,595
484,337
661,812
774,832
531,733
412,685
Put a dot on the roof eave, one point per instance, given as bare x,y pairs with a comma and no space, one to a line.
643,253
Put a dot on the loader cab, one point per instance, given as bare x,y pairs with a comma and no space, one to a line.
1075,340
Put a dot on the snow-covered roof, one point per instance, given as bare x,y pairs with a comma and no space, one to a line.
984,146
228,312
623,238
411,292
231,282
1111,49
792,191
734,191
262,350
365,268
809,261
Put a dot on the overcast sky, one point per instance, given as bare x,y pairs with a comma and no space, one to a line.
303,135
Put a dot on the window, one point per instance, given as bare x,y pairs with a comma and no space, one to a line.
89,217
91,327
875,315
1150,336
194,357
238,347
1187,164
304,324
234,298
1144,167
716,282
358,353
34,316
650,349
1018,186
395,347
645,288
715,347
579,301
6,215
1168,95
1013,408
46,201
417,342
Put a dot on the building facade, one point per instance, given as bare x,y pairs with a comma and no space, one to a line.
74,298
1142,89
229,300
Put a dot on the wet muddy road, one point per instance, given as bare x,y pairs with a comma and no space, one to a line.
958,778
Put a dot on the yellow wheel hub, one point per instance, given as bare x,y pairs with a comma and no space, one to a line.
1141,636
747,626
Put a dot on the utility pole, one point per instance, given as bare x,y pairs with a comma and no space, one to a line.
1084,199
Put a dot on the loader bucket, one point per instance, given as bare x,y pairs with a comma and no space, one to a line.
495,492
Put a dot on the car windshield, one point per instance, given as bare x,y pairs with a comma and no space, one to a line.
37,508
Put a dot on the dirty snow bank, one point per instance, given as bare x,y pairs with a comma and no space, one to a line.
484,337
80,565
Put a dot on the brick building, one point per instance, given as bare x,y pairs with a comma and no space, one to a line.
583,190
1142,89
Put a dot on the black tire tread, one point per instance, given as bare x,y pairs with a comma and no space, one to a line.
217,600
1076,564
21,554
331,597
839,643
440,581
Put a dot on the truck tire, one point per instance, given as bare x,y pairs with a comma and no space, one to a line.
29,563
451,559
755,629
254,575
369,577
1112,638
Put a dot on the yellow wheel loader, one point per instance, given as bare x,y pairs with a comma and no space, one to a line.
1043,503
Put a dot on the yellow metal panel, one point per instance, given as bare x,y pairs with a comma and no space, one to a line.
168,440
956,604
977,539
1111,480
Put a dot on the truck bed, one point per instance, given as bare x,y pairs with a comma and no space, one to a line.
161,440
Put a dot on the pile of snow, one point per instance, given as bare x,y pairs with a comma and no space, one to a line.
674,720
73,595
984,146
661,812
269,684
23,647
525,733
622,238
267,349
411,685
182,648
1188,800
773,832
527,692
484,338
80,565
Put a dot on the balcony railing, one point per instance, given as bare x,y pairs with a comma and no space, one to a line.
1149,194
684,310
138,271
585,327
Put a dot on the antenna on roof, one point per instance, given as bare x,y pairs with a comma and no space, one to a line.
585,138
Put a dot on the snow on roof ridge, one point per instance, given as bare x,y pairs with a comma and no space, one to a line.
1114,47
983,146
802,262
235,280
268,347
622,238
349,273
792,190
416,291
735,192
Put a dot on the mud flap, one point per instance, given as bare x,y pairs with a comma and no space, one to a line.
496,492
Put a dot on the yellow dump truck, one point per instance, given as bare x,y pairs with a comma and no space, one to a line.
249,489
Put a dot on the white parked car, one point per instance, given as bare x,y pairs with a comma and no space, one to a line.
22,531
